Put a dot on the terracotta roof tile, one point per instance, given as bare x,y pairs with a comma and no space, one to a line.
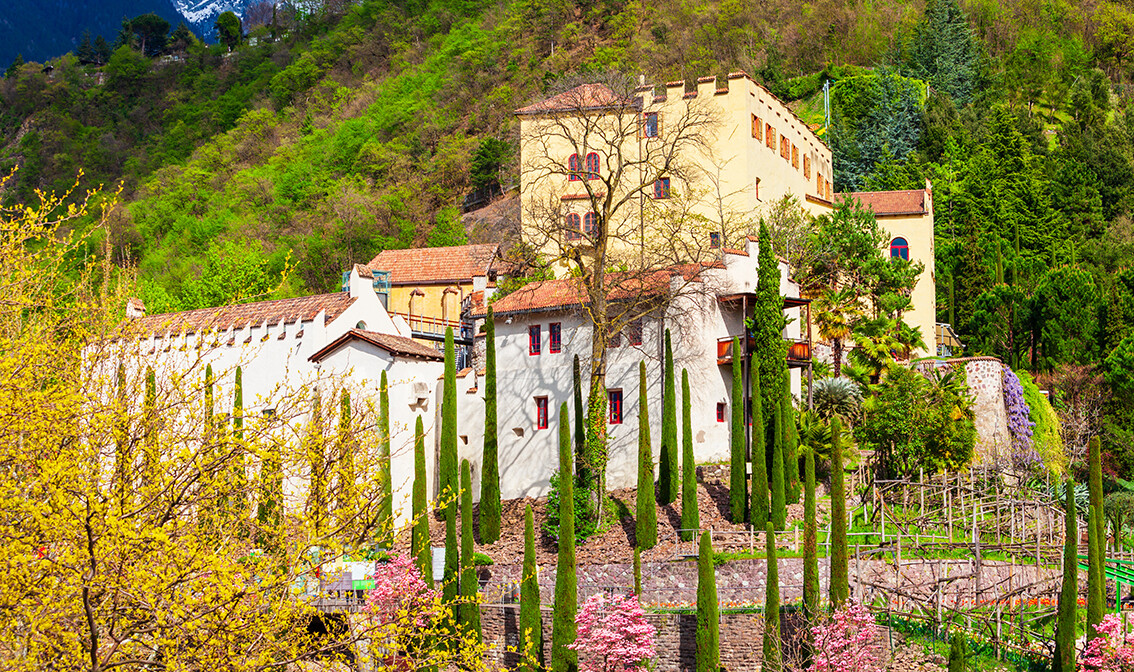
909,202
435,265
395,345
583,97
304,308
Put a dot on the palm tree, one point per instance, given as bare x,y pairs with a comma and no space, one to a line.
836,396
814,434
875,346
836,312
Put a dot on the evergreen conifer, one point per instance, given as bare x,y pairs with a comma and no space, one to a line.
421,547
810,542
348,504
791,445
958,653
582,470
1096,542
450,586
317,462
760,509
531,622
566,590
469,610
1067,612
638,572
667,461
490,468
840,583
385,520
770,348
690,515
708,637
779,496
738,459
646,521
239,478
773,660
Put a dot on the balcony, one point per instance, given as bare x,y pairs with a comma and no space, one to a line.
798,354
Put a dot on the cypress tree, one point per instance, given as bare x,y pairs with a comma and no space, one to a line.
708,624
239,478
738,459
759,511
958,653
1064,658
770,348
566,590
469,609
582,469
646,521
385,477
317,461
840,584
490,468
667,462
1096,549
810,542
779,501
773,660
791,445
420,544
150,439
348,504
210,491
450,586
531,623
269,507
123,457
690,516
638,572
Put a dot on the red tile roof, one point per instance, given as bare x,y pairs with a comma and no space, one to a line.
304,308
890,203
435,265
584,97
395,345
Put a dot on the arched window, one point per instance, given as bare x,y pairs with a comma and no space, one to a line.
592,166
574,232
574,167
899,249
590,221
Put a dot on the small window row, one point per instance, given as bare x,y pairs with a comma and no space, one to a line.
555,339
578,169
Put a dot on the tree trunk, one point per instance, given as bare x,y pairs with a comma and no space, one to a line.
596,456
837,347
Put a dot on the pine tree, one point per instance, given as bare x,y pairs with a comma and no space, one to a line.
958,653
1066,614
1096,543
469,609
385,520
791,445
810,542
840,583
531,622
86,53
779,498
708,622
420,546
646,521
348,504
945,52
738,459
490,468
759,511
773,660
566,590
690,515
667,461
450,585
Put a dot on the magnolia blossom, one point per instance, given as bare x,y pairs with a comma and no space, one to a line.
399,589
1108,652
612,634
848,642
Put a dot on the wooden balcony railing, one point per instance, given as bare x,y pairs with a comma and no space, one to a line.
798,354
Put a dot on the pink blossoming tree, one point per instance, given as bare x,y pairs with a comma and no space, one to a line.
400,590
613,635
1108,652
848,642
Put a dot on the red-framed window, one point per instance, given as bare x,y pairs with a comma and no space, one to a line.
614,406
589,224
541,412
722,411
661,188
593,164
899,249
634,332
574,167
573,227
555,337
534,339
714,240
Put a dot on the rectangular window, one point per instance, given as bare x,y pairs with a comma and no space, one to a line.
722,411
807,166
757,128
650,124
614,403
534,339
634,332
541,412
714,240
819,183
661,188
555,336
614,340
785,149
769,136
795,157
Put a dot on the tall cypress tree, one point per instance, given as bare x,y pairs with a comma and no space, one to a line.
708,622
759,511
779,497
490,468
690,515
450,586
770,348
1096,549
348,504
211,492
840,582
420,545
791,445
150,437
738,458
566,590
773,660
1064,658
638,572
667,461
239,475
469,609
317,462
646,521
810,543
123,457
531,622
582,469
385,521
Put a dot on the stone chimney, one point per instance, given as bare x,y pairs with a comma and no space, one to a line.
135,308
